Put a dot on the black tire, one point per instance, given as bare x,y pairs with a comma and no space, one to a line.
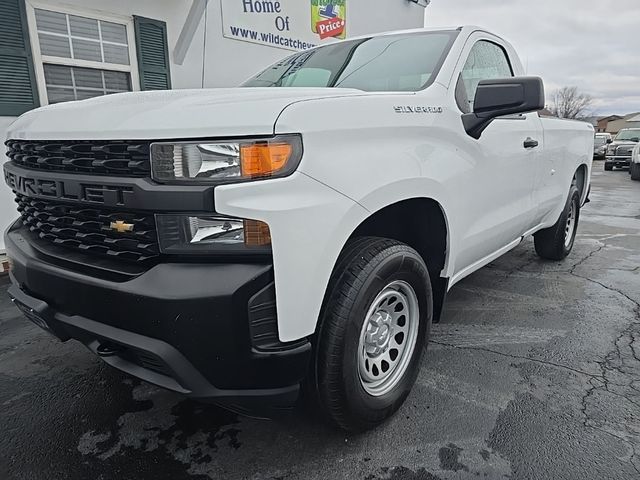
608,167
366,266
635,171
551,243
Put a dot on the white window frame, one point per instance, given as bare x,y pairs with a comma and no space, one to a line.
39,60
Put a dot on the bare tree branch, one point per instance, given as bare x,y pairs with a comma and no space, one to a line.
569,102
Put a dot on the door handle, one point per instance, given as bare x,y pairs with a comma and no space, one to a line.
530,143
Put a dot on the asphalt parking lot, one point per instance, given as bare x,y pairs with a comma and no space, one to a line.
534,373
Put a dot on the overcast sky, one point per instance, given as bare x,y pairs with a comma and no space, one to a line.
593,44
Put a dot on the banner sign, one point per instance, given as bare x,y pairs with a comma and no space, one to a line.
287,24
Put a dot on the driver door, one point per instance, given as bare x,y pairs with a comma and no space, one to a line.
505,163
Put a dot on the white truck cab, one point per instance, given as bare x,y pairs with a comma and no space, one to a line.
303,228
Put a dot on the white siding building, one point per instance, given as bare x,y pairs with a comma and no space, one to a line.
53,51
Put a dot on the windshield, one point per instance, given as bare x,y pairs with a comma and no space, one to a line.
406,62
628,135
600,141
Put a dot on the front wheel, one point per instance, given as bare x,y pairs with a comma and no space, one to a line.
556,242
374,327
635,171
608,167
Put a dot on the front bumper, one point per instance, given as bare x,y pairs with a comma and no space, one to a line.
617,161
188,327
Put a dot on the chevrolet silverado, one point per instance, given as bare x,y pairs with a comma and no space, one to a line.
297,234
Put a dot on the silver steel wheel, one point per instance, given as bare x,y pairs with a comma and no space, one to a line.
388,338
570,226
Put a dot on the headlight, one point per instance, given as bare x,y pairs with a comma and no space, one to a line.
225,161
611,149
180,234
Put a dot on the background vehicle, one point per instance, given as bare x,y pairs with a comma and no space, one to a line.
605,135
634,169
619,151
599,147
231,244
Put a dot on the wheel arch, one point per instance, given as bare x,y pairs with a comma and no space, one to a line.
581,179
421,223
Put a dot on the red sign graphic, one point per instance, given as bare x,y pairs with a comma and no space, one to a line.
330,28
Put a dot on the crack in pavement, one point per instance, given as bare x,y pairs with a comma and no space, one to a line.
614,362
571,271
634,453
607,287
625,269
519,268
618,377
518,357
591,254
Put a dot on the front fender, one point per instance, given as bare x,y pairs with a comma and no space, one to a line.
309,223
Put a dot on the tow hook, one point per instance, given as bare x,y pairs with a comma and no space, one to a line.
108,349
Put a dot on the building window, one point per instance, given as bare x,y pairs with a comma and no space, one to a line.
78,83
82,57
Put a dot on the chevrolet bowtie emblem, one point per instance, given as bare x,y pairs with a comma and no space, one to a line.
121,227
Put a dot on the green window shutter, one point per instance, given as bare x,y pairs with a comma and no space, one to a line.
18,90
153,54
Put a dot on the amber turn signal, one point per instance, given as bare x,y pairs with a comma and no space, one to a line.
256,234
264,159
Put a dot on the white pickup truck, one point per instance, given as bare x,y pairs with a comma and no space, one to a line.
302,230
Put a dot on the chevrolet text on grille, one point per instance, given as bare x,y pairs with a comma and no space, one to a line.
72,191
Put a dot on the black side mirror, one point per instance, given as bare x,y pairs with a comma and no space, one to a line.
609,140
505,96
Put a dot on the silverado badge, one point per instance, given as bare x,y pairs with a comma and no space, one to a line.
121,227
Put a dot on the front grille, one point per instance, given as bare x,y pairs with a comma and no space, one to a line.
125,158
89,230
624,151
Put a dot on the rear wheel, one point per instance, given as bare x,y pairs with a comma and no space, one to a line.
556,242
635,171
374,327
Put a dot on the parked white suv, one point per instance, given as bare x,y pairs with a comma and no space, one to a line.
234,244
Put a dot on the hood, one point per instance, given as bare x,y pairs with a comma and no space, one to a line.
167,114
618,143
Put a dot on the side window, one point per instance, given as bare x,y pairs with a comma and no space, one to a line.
487,60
